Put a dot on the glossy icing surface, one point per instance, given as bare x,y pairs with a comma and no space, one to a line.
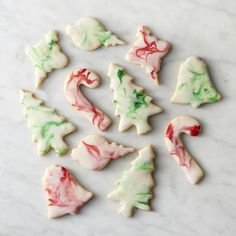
95,152
133,189
132,104
46,126
46,56
194,85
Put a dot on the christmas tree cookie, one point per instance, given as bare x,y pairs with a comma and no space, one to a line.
77,100
194,86
46,56
63,192
94,152
47,127
89,34
133,189
148,52
132,104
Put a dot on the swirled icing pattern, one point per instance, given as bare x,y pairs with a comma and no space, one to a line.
148,52
133,189
89,34
94,152
46,56
79,102
190,126
132,104
46,126
63,192
194,85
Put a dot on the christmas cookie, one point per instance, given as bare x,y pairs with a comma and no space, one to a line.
194,86
133,189
148,52
63,192
94,152
190,126
89,34
46,56
47,127
79,102
132,104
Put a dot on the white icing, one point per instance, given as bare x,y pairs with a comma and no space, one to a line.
46,56
46,126
147,52
63,192
133,189
94,152
194,85
75,97
190,126
89,34
127,96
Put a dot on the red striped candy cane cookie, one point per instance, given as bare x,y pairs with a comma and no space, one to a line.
190,126
82,104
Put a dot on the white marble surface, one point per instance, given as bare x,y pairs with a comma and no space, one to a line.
205,28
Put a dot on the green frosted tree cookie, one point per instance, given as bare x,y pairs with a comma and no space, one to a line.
46,126
46,56
133,189
194,85
132,104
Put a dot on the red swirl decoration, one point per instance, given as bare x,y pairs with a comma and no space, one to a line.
79,102
150,54
63,192
178,148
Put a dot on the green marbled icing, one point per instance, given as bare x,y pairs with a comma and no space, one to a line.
104,36
42,56
46,126
202,90
144,166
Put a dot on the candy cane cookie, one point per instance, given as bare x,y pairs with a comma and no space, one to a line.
78,101
190,126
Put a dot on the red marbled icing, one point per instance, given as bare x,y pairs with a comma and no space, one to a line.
150,54
80,102
94,151
178,149
61,189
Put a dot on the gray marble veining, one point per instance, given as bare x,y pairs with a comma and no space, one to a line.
193,27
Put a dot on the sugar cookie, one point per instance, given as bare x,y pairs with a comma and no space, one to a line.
63,192
132,104
133,189
94,152
148,52
89,34
46,56
79,102
194,85
190,126
47,127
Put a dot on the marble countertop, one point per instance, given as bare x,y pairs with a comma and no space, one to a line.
202,28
